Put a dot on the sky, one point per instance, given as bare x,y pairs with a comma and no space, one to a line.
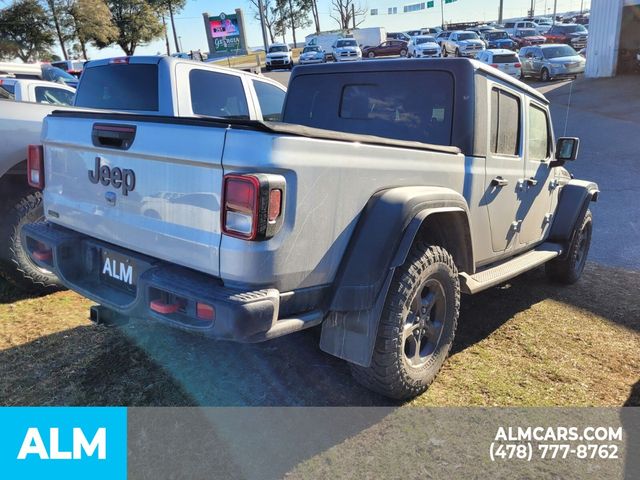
191,31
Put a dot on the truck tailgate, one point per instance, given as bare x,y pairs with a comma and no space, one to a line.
160,196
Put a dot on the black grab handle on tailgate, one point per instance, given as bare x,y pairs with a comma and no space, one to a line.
113,136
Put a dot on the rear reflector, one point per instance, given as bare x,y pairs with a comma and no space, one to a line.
43,253
205,312
35,166
275,204
164,308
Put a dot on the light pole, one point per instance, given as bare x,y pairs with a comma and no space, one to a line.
555,9
442,12
500,11
263,26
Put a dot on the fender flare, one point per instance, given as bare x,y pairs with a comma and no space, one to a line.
381,241
573,203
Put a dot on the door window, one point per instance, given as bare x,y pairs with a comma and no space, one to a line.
505,123
54,96
271,100
538,134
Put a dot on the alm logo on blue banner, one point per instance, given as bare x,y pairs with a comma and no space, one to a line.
63,442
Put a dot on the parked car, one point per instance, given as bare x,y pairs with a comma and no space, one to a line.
571,34
544,24
499,39
550,61
37,91
345,50
151,86
72,67
462,44
386,49
398,36
506,61
442,36
424,46
512,26
440,178
279,55
525,37
312,54
38,71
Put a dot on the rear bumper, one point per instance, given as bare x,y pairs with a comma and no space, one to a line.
243,316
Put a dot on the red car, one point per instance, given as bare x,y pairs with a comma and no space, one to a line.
525,37
386,49
571,34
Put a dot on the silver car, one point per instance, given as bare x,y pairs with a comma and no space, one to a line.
312,54
551,61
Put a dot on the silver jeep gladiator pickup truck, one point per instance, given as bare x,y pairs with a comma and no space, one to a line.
391,188
156,85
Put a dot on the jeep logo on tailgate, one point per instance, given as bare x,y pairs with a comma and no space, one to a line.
117,177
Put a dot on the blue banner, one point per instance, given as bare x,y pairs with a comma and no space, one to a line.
63,442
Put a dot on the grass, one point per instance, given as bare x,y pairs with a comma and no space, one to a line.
528,343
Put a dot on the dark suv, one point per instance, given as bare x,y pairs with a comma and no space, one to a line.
571,34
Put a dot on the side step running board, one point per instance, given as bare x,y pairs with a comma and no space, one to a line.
498,274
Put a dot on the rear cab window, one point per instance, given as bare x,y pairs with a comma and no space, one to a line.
119,87
7,90
217,94
376,103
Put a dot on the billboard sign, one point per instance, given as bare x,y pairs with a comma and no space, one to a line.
225,32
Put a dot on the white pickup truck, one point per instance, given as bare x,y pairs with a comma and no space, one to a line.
178,88
37,91
395,186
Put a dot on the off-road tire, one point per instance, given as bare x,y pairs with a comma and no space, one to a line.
16,265
568,269
544,75
390,372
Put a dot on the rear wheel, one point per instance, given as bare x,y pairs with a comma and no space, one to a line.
403,53
17,266
417,326
569,269
544,75
371,55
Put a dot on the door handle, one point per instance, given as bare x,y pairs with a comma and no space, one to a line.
532,181
499,182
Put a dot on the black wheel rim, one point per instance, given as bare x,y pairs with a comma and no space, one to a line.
424,323
582,249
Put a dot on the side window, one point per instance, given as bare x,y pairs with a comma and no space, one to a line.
271,100
7,92
538,134
217,94
54,96
505,123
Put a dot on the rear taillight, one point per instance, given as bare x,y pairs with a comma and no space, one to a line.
252,205
517,65
494,65
119,61
35,166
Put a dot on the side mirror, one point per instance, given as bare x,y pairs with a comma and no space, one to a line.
567,148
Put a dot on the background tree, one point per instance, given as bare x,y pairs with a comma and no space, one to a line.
91,21
136,23
295,14
342,11
57,12
25,31
272,18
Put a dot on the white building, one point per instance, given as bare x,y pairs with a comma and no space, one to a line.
614,27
